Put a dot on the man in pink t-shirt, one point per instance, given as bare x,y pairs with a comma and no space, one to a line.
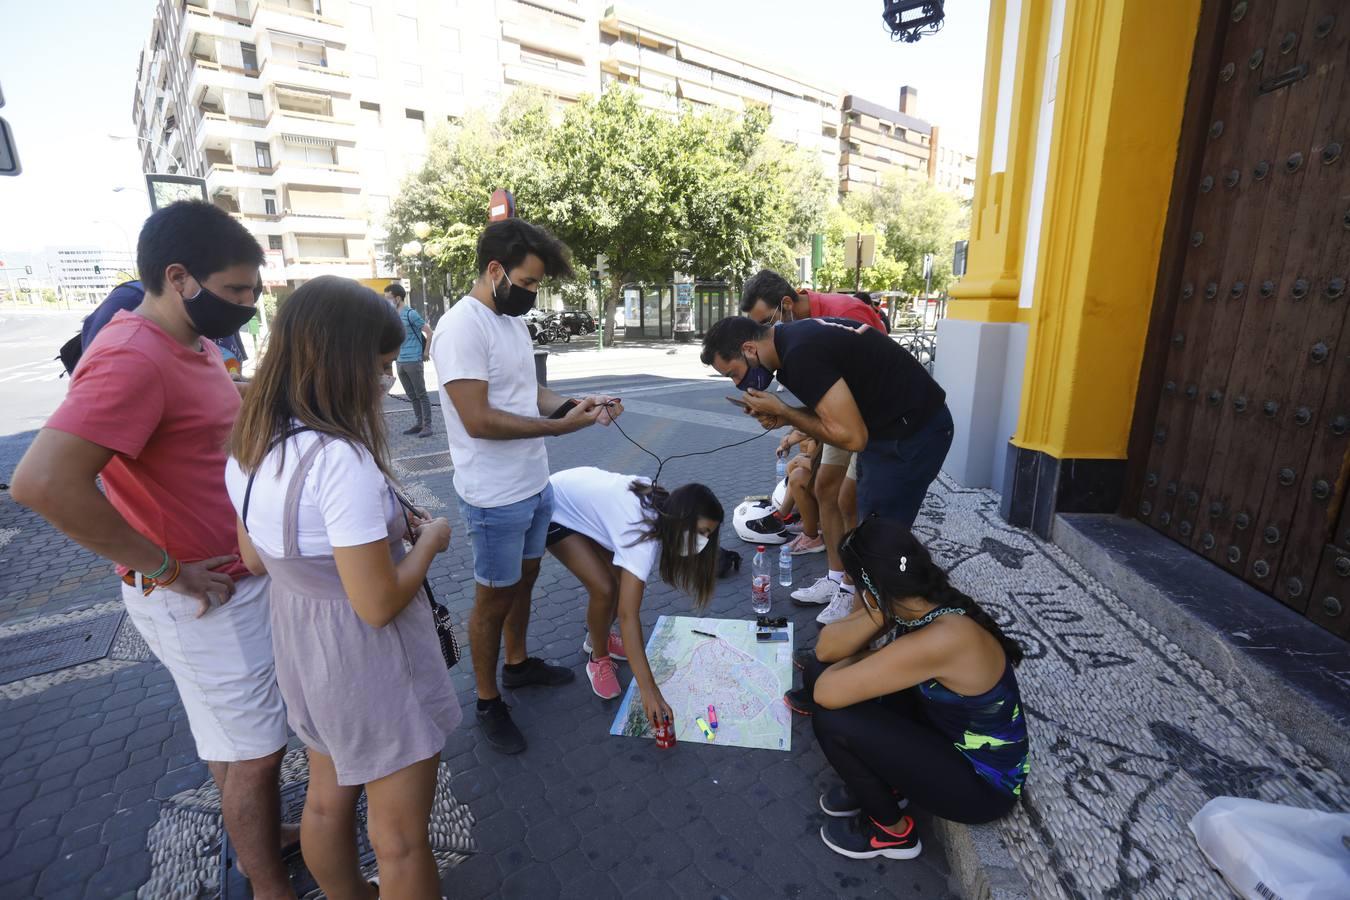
149,410
768,297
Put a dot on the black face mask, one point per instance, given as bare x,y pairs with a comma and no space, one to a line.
215,317
517,301
757,376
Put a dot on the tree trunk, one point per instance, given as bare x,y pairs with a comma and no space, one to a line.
611,301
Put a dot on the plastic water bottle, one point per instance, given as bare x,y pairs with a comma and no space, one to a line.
761,583
780,470
785,566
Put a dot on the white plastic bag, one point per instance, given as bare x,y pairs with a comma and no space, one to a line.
1266,851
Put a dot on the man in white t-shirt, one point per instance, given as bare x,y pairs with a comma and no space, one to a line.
496,418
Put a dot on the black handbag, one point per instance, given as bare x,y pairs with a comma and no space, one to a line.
440,614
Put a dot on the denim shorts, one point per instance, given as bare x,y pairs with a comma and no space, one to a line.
503,536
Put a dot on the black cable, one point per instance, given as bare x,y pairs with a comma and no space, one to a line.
660,463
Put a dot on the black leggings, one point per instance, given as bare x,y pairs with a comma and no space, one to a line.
885,748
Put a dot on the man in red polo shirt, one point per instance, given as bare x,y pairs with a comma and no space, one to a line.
149,410
768,298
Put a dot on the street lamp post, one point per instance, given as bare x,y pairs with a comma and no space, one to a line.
113,136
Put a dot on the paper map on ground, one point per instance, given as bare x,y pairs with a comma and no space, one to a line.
742,678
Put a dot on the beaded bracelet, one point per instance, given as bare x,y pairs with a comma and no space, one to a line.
163,567
165,582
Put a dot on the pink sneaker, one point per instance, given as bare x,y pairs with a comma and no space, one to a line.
604,678
805,544
615,646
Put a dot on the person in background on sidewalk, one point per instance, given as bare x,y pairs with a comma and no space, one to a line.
413,353
149,410
358,659
875,303
496,418
863,392
611,531
934,716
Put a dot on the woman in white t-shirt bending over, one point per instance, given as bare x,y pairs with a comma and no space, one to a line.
611,531
357,657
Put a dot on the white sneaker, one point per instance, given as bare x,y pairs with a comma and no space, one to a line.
821,592
839,607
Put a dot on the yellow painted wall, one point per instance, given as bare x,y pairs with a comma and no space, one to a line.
1119,91
1122,84
989,290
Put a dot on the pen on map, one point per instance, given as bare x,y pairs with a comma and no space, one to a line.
703,726
704,633
712,717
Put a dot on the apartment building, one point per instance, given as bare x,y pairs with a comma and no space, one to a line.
876,140
667,63
87,274
303,116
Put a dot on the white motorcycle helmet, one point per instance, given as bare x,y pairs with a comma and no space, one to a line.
755,521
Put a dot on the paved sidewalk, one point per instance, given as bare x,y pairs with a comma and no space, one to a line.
101,794
1130,736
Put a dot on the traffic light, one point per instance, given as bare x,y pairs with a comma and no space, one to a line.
98,270
9,151
28,270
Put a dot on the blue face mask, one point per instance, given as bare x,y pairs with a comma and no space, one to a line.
757,377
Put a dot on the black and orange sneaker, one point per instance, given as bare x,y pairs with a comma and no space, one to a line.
861,838
799,701
839,802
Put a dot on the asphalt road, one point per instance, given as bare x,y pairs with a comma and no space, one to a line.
31,386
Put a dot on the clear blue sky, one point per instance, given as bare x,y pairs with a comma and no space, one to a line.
67,69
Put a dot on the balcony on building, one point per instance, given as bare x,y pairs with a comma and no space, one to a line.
536,67
305,64
297,110
302,17
554,32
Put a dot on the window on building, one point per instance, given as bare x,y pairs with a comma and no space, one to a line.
450,39
365,65
370,114
416,123
269,202
361,19
264,154
274,242
412,74
407,35
250,54
256,109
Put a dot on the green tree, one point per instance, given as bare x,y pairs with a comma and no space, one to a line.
708,193
885,274
463,166
912,217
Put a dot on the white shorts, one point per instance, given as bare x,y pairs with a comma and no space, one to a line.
222,665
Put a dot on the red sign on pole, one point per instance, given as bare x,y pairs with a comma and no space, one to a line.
501,205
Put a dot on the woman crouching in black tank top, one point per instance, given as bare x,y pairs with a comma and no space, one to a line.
934,716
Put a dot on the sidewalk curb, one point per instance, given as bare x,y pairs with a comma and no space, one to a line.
982,866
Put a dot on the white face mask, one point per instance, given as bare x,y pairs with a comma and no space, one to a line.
700,541
386,382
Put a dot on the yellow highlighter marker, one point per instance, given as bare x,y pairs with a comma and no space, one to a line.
703,726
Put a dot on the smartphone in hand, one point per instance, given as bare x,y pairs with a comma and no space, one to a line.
739,402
